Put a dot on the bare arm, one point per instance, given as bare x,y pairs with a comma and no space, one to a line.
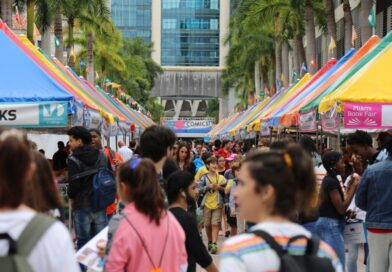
342,206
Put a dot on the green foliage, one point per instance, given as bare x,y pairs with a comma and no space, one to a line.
213,109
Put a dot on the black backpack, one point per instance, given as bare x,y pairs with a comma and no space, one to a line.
309,262
103,182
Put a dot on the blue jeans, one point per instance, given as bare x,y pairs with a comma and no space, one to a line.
87,224
331,231
311,227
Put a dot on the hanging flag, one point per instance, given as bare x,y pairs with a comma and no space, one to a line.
56,42
36,32
354,36
295,74
72,53
303,68
282,79
313,62
332,45
18,18
372,17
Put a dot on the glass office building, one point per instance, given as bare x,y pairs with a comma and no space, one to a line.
190,33
132,18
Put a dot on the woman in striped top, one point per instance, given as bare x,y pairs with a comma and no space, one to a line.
272,187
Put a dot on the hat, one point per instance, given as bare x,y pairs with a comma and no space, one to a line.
330,159
231,157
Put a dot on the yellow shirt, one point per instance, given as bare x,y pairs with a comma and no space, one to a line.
212,197
202,171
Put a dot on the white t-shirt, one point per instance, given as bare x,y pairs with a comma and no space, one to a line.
250,253
125,153
53,252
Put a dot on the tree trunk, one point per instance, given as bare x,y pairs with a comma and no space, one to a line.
299,53
257,77
264,75
71,52
278,63
46,41
285,63
366,28
6,12
30,4
58,32
90,58
348,25
331,24
310,35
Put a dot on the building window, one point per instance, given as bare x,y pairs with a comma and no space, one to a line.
133,18
190,33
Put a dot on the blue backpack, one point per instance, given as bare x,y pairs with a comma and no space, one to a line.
103,182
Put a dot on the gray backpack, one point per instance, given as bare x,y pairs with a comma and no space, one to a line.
16,259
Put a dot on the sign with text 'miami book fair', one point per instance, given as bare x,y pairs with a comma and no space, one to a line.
368,115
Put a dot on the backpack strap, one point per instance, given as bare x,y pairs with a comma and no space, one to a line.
33,233
11,242
312,246
82,166
270,241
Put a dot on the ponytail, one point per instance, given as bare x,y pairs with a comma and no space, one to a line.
145,192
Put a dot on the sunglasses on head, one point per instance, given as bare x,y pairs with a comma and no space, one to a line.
134,163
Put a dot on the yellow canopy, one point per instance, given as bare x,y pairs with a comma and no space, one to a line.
255,125
249,116
373,83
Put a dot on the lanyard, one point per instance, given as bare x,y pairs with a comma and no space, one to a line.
155,268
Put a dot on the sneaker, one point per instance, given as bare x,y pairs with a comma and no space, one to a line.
214,248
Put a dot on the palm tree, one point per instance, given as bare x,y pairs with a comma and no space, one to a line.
58,33
30,5
348,25
366,28
44,20
6,12
331,24
310,32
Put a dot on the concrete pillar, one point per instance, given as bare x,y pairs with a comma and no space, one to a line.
177,107
156,22
194,106
224,30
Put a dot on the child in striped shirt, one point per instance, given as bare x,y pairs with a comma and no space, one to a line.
272,187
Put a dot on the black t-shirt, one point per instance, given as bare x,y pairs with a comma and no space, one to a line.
327,209
196,250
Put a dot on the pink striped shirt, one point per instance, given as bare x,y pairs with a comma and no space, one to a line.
127,253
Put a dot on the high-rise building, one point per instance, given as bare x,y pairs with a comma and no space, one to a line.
188,42
132,17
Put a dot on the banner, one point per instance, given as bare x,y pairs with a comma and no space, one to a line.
34,115
308,122
265,129
190,125
367,115
329,119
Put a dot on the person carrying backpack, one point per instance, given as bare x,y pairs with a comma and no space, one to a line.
91,185
272,187
29,241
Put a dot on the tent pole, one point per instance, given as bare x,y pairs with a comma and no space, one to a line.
271,135
339,128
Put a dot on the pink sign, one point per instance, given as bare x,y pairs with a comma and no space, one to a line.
367,115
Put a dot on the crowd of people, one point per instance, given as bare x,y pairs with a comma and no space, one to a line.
161,196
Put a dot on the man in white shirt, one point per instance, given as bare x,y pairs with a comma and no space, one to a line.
125,153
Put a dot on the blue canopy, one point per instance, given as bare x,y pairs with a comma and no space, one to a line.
275,119
22,80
